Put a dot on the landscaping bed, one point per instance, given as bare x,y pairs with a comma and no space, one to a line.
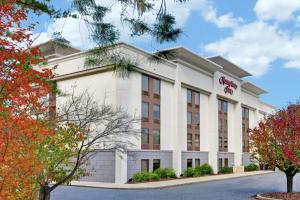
279,196
164,174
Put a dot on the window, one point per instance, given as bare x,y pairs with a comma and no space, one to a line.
189,163
220,144
145,136
189,96
197,162
226,162
220,163
223,125
156,136
219,105
150,113
197,98
156,112
225,107
145,165
245,113
189,140
156,86
156,164
197,141
245,129
189,118
145,110
145,83
197,119
220,124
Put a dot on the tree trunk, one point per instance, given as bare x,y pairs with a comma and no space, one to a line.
290,179
44,193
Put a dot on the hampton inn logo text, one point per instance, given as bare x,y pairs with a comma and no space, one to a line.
229,85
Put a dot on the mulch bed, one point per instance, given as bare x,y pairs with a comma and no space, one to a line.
283,195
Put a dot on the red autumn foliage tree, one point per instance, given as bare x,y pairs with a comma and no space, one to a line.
22,88
276,141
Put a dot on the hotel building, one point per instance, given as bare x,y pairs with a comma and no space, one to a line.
193,110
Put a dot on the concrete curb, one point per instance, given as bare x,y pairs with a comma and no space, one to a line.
165,184
260,197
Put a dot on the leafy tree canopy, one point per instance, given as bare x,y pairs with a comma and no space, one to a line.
276,141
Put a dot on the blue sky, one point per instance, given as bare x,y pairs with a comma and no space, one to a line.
261,36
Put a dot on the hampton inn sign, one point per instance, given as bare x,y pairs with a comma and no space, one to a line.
229,85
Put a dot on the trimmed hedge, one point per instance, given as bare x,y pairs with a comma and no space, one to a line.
145,176
165,173
251,167
189,172
207,169
226,170
155,176
198,171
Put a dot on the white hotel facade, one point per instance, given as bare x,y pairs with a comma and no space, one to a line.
194,110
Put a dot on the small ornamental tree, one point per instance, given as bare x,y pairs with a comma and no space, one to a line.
82,128
276,141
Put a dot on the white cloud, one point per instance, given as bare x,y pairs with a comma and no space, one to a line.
255,46
74,30
224,21
279,10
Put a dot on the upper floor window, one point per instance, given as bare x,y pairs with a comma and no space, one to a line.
222,106
189,96
145,136
156,86
189,118
189,140
145,83
197,120
156,112
225,106
197,98
145,110
245,113
219,105
156,136
197,140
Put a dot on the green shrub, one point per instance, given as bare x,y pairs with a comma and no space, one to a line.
198,171
251,167
145,176
165,173
206,169
226,170
203,170
170,173
153,177
189,172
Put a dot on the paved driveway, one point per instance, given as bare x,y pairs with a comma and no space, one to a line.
232,189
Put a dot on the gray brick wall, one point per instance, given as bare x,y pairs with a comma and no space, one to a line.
101,167
246,159
228,155
134,158
203,156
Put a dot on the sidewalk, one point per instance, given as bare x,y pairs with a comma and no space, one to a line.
164,184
